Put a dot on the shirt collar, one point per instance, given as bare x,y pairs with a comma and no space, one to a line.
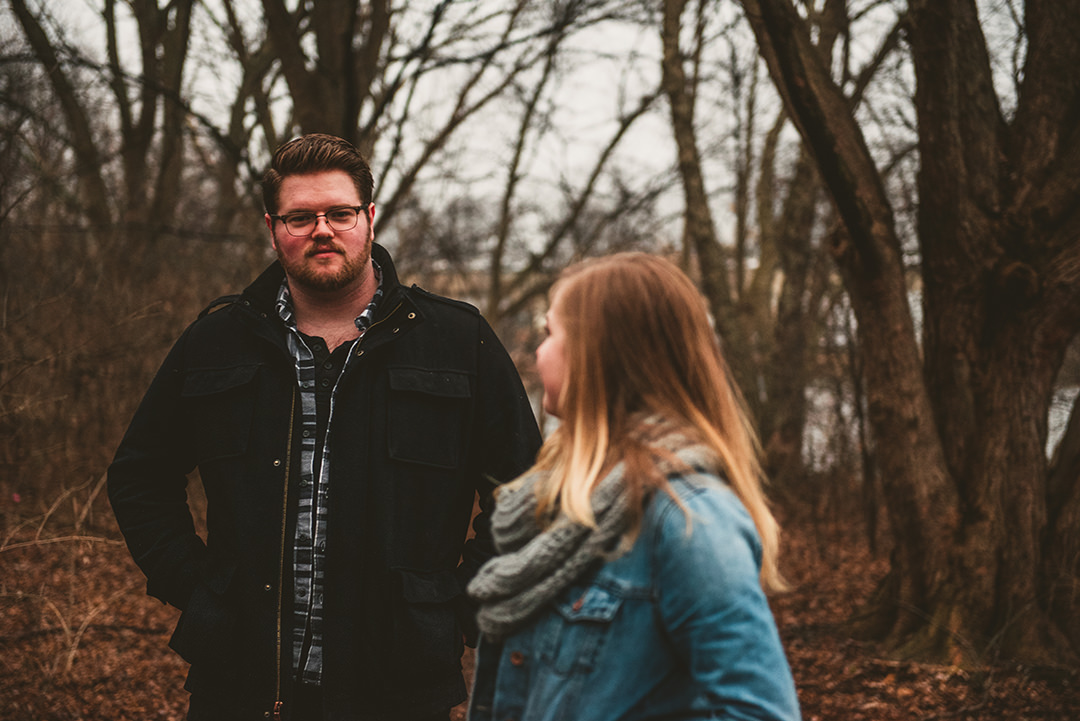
363,321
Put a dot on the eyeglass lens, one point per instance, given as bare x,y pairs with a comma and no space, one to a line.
338,219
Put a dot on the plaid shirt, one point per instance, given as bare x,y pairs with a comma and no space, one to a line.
309,543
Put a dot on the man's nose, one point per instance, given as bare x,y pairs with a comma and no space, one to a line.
322,226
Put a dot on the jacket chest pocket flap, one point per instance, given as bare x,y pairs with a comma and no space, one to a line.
578,629
221,403
427,416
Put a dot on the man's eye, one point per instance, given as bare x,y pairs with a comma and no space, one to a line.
341,216
300,218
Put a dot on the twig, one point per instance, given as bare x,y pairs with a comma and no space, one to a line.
73,648
118,627
60,539
90,502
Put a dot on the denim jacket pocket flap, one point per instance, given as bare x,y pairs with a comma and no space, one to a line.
208,381
428,587
447,384
595,604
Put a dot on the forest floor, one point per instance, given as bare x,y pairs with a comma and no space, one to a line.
80,640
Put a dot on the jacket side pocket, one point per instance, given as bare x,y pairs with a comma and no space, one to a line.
205,632
427,642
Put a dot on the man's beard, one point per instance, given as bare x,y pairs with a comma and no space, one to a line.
309,274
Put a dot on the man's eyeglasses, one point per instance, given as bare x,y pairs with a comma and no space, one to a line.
303,223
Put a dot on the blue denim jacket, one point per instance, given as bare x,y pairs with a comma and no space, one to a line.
679,627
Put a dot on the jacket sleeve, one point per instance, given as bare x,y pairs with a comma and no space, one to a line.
714,609
505,441
147,486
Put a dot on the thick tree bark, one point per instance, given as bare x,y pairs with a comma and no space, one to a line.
959,438
993,343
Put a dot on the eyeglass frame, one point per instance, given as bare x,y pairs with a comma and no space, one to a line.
354,208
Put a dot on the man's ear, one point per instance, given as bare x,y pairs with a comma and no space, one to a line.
270,227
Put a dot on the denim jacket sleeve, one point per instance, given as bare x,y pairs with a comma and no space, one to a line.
712,605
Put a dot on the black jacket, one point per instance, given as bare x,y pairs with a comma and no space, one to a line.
432,412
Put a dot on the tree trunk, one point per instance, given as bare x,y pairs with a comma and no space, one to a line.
325,89
920,497
699,232
787,370
964,475
993,345
93,191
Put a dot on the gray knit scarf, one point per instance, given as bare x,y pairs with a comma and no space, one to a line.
534,565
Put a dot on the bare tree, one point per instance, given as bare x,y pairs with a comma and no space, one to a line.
93,190
594,210
770,312
960,425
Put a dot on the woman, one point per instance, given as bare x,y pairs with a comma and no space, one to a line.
633,554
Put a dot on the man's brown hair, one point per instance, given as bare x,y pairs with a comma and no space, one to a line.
316,153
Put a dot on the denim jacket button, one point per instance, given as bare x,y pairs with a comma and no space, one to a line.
579,603
517,658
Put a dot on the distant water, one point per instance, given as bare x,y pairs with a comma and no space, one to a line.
1060,408
819,445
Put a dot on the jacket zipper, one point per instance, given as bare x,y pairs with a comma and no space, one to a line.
276,715
278,704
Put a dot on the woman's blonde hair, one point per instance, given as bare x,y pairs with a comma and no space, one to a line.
639,342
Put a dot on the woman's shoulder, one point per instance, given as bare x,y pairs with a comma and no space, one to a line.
699,508
698,489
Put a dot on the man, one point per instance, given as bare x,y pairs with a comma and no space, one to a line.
341,424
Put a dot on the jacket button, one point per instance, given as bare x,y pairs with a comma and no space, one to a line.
579,603
359,352
517,658
412,315
277,462
396,329
268,587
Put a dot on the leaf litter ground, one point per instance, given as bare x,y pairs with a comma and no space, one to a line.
80,641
